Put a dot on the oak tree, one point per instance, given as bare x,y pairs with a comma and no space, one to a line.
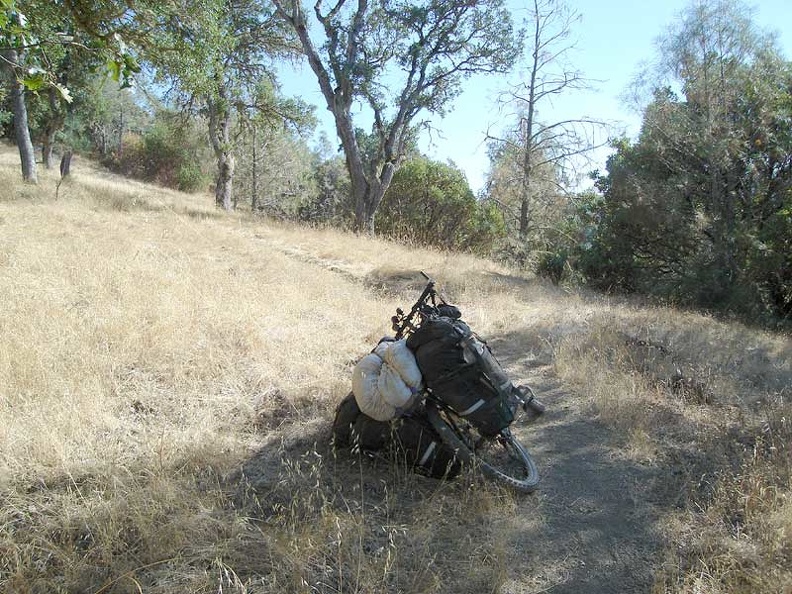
395,59
35,33
217,55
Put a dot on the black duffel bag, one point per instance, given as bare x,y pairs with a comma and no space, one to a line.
460,369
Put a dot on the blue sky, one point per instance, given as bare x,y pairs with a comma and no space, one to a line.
615,39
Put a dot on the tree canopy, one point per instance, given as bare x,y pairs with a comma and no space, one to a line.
218,56
699,207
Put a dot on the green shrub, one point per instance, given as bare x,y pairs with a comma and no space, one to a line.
190,177
168,153
431,203
551,265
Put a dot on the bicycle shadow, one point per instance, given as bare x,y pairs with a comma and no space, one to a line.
344,518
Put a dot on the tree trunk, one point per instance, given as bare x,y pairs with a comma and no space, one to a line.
27,154
364,215
367,190
65,164
527,174
54,124
528,147
46,151
367,201
220,136
224,188
121,133
254,197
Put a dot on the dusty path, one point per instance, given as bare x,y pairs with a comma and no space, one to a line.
594,529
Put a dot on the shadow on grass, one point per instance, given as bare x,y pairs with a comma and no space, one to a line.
390,281
590,526
354,523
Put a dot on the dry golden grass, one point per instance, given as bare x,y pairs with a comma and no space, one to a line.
168,374
166,380
721,433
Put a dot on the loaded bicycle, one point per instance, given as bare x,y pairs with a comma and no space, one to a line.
462,392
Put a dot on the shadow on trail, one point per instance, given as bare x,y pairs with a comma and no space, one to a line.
347,523
589,527
597,509
597,528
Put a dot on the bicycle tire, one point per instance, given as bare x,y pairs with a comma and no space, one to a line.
513,466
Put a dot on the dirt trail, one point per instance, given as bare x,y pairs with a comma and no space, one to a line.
594,530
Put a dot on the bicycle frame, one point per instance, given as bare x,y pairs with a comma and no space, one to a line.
456,431
427,304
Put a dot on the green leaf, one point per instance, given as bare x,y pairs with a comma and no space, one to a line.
35,81
115,69
131,65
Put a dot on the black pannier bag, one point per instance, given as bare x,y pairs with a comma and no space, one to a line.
410,438
418,444
460,369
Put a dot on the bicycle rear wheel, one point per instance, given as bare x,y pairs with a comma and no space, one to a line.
502,458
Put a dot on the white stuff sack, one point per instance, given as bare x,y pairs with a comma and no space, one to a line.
392,387
401,358
365,380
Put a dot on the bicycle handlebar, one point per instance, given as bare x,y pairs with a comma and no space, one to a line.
401,323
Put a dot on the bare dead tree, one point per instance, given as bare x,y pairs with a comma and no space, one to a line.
546,148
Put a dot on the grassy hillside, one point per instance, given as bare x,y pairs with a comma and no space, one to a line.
168,374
